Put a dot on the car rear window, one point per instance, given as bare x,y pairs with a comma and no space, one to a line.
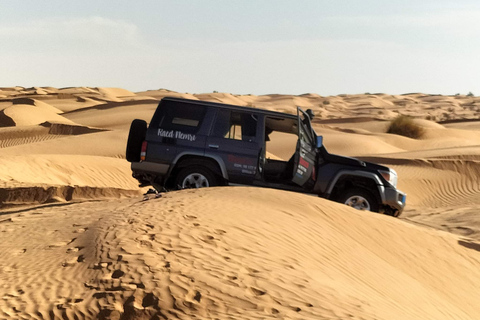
181,117
186,122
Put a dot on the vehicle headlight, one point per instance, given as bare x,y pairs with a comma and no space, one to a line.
390,176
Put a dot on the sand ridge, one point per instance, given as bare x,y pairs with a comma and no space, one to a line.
173,257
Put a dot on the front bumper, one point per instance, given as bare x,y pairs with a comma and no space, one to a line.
395,200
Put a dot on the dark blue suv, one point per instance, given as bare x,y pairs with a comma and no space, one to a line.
195,144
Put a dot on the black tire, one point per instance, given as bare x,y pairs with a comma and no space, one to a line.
195,177
136,136
360,199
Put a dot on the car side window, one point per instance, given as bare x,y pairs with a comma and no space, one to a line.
182,117
235,125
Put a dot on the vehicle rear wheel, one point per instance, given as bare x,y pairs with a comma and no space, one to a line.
138,130
195,177
360,199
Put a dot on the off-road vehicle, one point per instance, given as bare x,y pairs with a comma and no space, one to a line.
194,144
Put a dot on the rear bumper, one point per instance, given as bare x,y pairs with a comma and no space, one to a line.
149,172
395,200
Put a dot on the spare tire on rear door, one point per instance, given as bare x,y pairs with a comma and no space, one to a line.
136,136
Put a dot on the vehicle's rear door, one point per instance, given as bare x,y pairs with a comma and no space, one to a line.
235,140
305,155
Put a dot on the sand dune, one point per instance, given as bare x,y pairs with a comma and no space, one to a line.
221,98
115,92
356,140
114,115
43,178
162,93
12,136
39,104
26,115
186,255
437,183
21,194
74,248
109,144
58,169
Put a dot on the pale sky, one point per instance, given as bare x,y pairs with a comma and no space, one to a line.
244,46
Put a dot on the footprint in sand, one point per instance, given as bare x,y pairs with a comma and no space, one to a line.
62,304
101,265
74,260
150,300
75,249
59,244
81,230
208,239
117,274
8,269
198,296
16,294
257,292
251,270
274,311
19,252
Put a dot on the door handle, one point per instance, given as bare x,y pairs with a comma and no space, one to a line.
213,146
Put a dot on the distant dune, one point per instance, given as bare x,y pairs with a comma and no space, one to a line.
78,242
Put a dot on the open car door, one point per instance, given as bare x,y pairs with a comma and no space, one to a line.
306,152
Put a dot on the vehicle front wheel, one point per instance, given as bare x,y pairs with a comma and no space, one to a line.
360,199
195,177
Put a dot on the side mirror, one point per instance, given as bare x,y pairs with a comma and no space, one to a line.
319,142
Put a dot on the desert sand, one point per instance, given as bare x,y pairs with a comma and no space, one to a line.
78,242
